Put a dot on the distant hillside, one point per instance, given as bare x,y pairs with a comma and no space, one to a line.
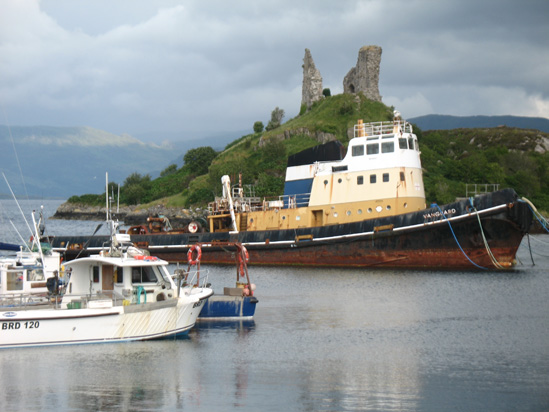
63,161
445,122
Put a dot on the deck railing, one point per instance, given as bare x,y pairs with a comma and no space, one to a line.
382,128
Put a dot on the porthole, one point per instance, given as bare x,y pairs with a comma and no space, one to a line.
348,213
369,210
378,209
359,211
283,217
325,182
298,218
339,180
335,214
388,207
405,205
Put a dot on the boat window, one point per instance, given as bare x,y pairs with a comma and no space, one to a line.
360,180
95,270
387,147
385,177
411,143
402,177
35,274
164,273
118,275
372,178
372,148
416,145
339,168
144,274
388,136
358,150
14,280
402,143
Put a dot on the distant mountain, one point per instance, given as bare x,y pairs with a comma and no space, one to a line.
446,122
66,161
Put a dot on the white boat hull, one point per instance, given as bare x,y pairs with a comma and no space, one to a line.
46,327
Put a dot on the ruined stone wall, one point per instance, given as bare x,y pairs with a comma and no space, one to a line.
312,81
364,77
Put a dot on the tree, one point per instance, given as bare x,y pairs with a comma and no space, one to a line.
326,92
135,188
198,160
258,127
170,170
276,119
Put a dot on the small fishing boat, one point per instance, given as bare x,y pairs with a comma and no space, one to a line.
28,272
118,295
236,303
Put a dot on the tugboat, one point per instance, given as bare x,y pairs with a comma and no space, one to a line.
364,207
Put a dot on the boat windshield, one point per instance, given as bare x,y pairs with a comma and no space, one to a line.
144,274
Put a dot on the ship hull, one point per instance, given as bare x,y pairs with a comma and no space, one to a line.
456,235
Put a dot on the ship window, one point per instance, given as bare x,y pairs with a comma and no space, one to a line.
358,150
387,147
339,168
360,180
388,207
95,270
359,211
372,148
385,177
416,145
402,178
369,210
143,274
372,178
402,143
411,143
348,213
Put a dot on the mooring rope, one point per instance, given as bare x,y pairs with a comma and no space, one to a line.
492,257
455,238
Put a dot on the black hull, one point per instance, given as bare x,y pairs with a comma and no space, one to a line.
448,236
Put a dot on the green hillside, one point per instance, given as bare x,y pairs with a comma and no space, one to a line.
509,157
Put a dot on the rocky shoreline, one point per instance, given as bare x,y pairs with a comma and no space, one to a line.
131,215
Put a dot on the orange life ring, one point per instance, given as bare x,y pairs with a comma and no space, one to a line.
196,260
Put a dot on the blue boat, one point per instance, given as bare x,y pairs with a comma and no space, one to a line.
236,303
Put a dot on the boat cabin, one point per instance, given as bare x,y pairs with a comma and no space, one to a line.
132,280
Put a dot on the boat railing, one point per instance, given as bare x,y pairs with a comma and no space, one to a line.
474,189
23,300
256,204
101,299
382,128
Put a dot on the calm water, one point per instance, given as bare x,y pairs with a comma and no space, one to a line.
322,340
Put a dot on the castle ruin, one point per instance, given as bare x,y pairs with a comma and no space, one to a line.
364,77
312,81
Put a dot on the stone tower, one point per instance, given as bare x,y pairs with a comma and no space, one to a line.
365,76
312,81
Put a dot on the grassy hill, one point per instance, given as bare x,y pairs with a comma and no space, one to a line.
510,157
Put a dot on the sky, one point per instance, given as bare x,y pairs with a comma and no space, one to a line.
194,68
